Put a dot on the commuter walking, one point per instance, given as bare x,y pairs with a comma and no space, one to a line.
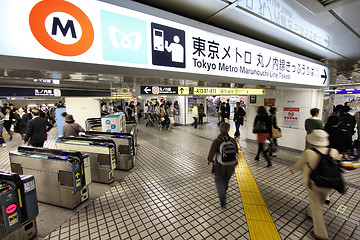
339,138
262,127
171,114
9,121
273,111
221,171
223,114
111,108
71,128
2,140
348,121
227,109
310,159
239,114
357,120
195,114
201,113
218,108
36,129
312,123
21,121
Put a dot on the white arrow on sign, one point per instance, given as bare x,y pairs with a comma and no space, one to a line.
147,90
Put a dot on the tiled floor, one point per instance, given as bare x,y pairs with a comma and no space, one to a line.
171,195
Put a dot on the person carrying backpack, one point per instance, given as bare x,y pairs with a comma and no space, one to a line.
223,155
313,161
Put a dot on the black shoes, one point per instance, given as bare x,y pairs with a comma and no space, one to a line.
269,164
327,202
257,158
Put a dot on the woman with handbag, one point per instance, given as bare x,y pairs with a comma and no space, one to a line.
276,131
262,127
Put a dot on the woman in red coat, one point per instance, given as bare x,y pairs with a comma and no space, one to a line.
262,126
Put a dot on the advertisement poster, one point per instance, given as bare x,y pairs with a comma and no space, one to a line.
253,99
270,102
192,101
291,117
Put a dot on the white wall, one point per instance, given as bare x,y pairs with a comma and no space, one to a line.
83,108
305,99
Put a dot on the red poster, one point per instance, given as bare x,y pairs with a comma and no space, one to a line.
269,102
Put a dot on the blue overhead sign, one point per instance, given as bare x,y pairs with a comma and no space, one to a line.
347,91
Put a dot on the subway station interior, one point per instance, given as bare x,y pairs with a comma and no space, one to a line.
136,173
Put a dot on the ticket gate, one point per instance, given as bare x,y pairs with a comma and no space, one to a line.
125,147
131,128
19,206
101,152
93,124
61,176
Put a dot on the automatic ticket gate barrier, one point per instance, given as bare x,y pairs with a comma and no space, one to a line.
125,147
61,176
93,124
101,152
19,206
131,128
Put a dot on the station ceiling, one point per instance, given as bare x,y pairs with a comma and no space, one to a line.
334,22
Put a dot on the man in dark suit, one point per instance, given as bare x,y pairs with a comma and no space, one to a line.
239,114
36,129
228,109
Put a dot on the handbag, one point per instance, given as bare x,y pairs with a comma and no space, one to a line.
273,147
276,133
259,128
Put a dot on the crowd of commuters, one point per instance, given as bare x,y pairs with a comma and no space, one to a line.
162,113
23,120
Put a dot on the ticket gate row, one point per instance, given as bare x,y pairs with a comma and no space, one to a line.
118,147
125,146
19,206
101,153
61,177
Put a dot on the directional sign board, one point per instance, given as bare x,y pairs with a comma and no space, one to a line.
158,90
200,90
95,32
183,90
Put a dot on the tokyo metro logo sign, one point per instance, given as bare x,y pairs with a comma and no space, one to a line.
61,27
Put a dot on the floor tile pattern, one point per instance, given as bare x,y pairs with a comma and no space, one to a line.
171,194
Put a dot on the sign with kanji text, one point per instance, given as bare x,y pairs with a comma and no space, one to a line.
227,91
291,117
47,92
270,102
95,32
158,90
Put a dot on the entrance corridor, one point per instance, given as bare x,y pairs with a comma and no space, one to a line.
171,194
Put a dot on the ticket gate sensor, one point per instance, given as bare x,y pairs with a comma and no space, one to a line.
125,147
19,206
61,177
101,152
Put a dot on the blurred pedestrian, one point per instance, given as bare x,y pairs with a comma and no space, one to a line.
316,195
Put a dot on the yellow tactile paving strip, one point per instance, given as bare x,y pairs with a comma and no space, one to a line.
261,225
